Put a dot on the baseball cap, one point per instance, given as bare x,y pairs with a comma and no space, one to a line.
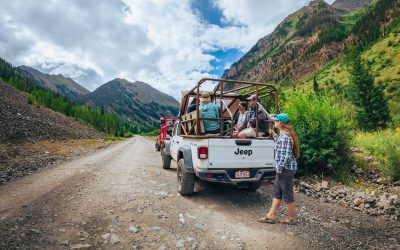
251,97
284,118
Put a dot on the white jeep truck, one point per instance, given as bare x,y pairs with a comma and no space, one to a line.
221,157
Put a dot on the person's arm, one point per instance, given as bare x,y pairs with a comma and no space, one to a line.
275,136
283,153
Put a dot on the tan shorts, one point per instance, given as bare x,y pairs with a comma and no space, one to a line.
248,132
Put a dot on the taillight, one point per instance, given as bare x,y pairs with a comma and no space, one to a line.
202,153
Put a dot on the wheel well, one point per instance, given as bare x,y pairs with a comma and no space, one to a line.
180,155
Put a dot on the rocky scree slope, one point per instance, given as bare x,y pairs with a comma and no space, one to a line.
350,6
301,44
21,122
135,100
57,83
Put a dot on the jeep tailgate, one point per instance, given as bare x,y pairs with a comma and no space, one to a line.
238,154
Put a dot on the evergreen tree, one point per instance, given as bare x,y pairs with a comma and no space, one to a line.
370,101
316,86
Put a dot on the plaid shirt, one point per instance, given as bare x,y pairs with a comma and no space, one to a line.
284,157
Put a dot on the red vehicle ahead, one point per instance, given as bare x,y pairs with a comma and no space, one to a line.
167,124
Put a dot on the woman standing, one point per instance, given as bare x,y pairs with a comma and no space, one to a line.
287,150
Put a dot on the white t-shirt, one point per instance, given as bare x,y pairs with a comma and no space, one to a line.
242,117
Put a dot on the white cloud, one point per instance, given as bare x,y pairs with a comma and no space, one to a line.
164,43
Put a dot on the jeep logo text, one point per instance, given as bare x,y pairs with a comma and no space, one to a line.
243,152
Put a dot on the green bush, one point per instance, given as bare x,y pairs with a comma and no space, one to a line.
324,131
384,146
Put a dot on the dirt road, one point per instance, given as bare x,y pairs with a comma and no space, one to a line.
121,198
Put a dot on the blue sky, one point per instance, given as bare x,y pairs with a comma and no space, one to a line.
169,44
213,15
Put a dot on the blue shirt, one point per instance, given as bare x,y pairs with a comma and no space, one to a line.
209,110
284,157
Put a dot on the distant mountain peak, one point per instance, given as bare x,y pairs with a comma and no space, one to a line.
137,100
57,83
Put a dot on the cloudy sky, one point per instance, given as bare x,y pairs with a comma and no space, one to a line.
169,44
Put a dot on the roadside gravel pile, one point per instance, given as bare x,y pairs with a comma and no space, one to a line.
379,198
23,122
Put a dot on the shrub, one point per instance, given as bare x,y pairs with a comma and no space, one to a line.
384,146
324,131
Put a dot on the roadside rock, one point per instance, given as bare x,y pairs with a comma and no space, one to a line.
324,184
133,229
80,246
357,201
114,239
180,244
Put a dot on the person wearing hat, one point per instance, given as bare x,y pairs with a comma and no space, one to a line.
286,151
250,131
209,110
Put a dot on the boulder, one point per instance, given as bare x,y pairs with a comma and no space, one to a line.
369,200
317,187
360,195
357,201
324,184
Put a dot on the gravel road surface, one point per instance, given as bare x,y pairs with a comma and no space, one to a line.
121,198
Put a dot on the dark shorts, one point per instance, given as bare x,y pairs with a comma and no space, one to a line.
283,186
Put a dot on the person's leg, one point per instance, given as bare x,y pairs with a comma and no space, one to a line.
291,207
274,207
288,196
276,201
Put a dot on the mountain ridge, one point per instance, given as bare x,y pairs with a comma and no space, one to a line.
134,100
301,44
57,83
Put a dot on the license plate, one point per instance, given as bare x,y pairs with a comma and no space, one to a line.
242,174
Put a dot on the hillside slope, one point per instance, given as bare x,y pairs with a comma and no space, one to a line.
350,5
383,58
136,100
57,83
301,44
23,122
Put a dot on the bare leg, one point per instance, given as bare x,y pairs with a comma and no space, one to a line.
291,207
274,207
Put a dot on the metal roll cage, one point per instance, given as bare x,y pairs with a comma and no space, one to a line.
219,92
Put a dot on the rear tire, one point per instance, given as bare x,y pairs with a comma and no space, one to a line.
186,180
166,160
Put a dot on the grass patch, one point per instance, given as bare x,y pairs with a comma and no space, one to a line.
114,138
384,146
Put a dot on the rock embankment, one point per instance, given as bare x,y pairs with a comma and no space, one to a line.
23,122
377,197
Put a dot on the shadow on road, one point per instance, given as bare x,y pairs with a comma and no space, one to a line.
223,194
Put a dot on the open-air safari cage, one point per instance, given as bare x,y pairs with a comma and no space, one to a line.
227,94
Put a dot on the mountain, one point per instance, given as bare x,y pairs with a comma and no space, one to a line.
350,5
136,100
316,41
301,44
57,83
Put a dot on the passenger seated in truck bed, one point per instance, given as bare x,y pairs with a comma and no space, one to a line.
209,110
241,119
250,131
